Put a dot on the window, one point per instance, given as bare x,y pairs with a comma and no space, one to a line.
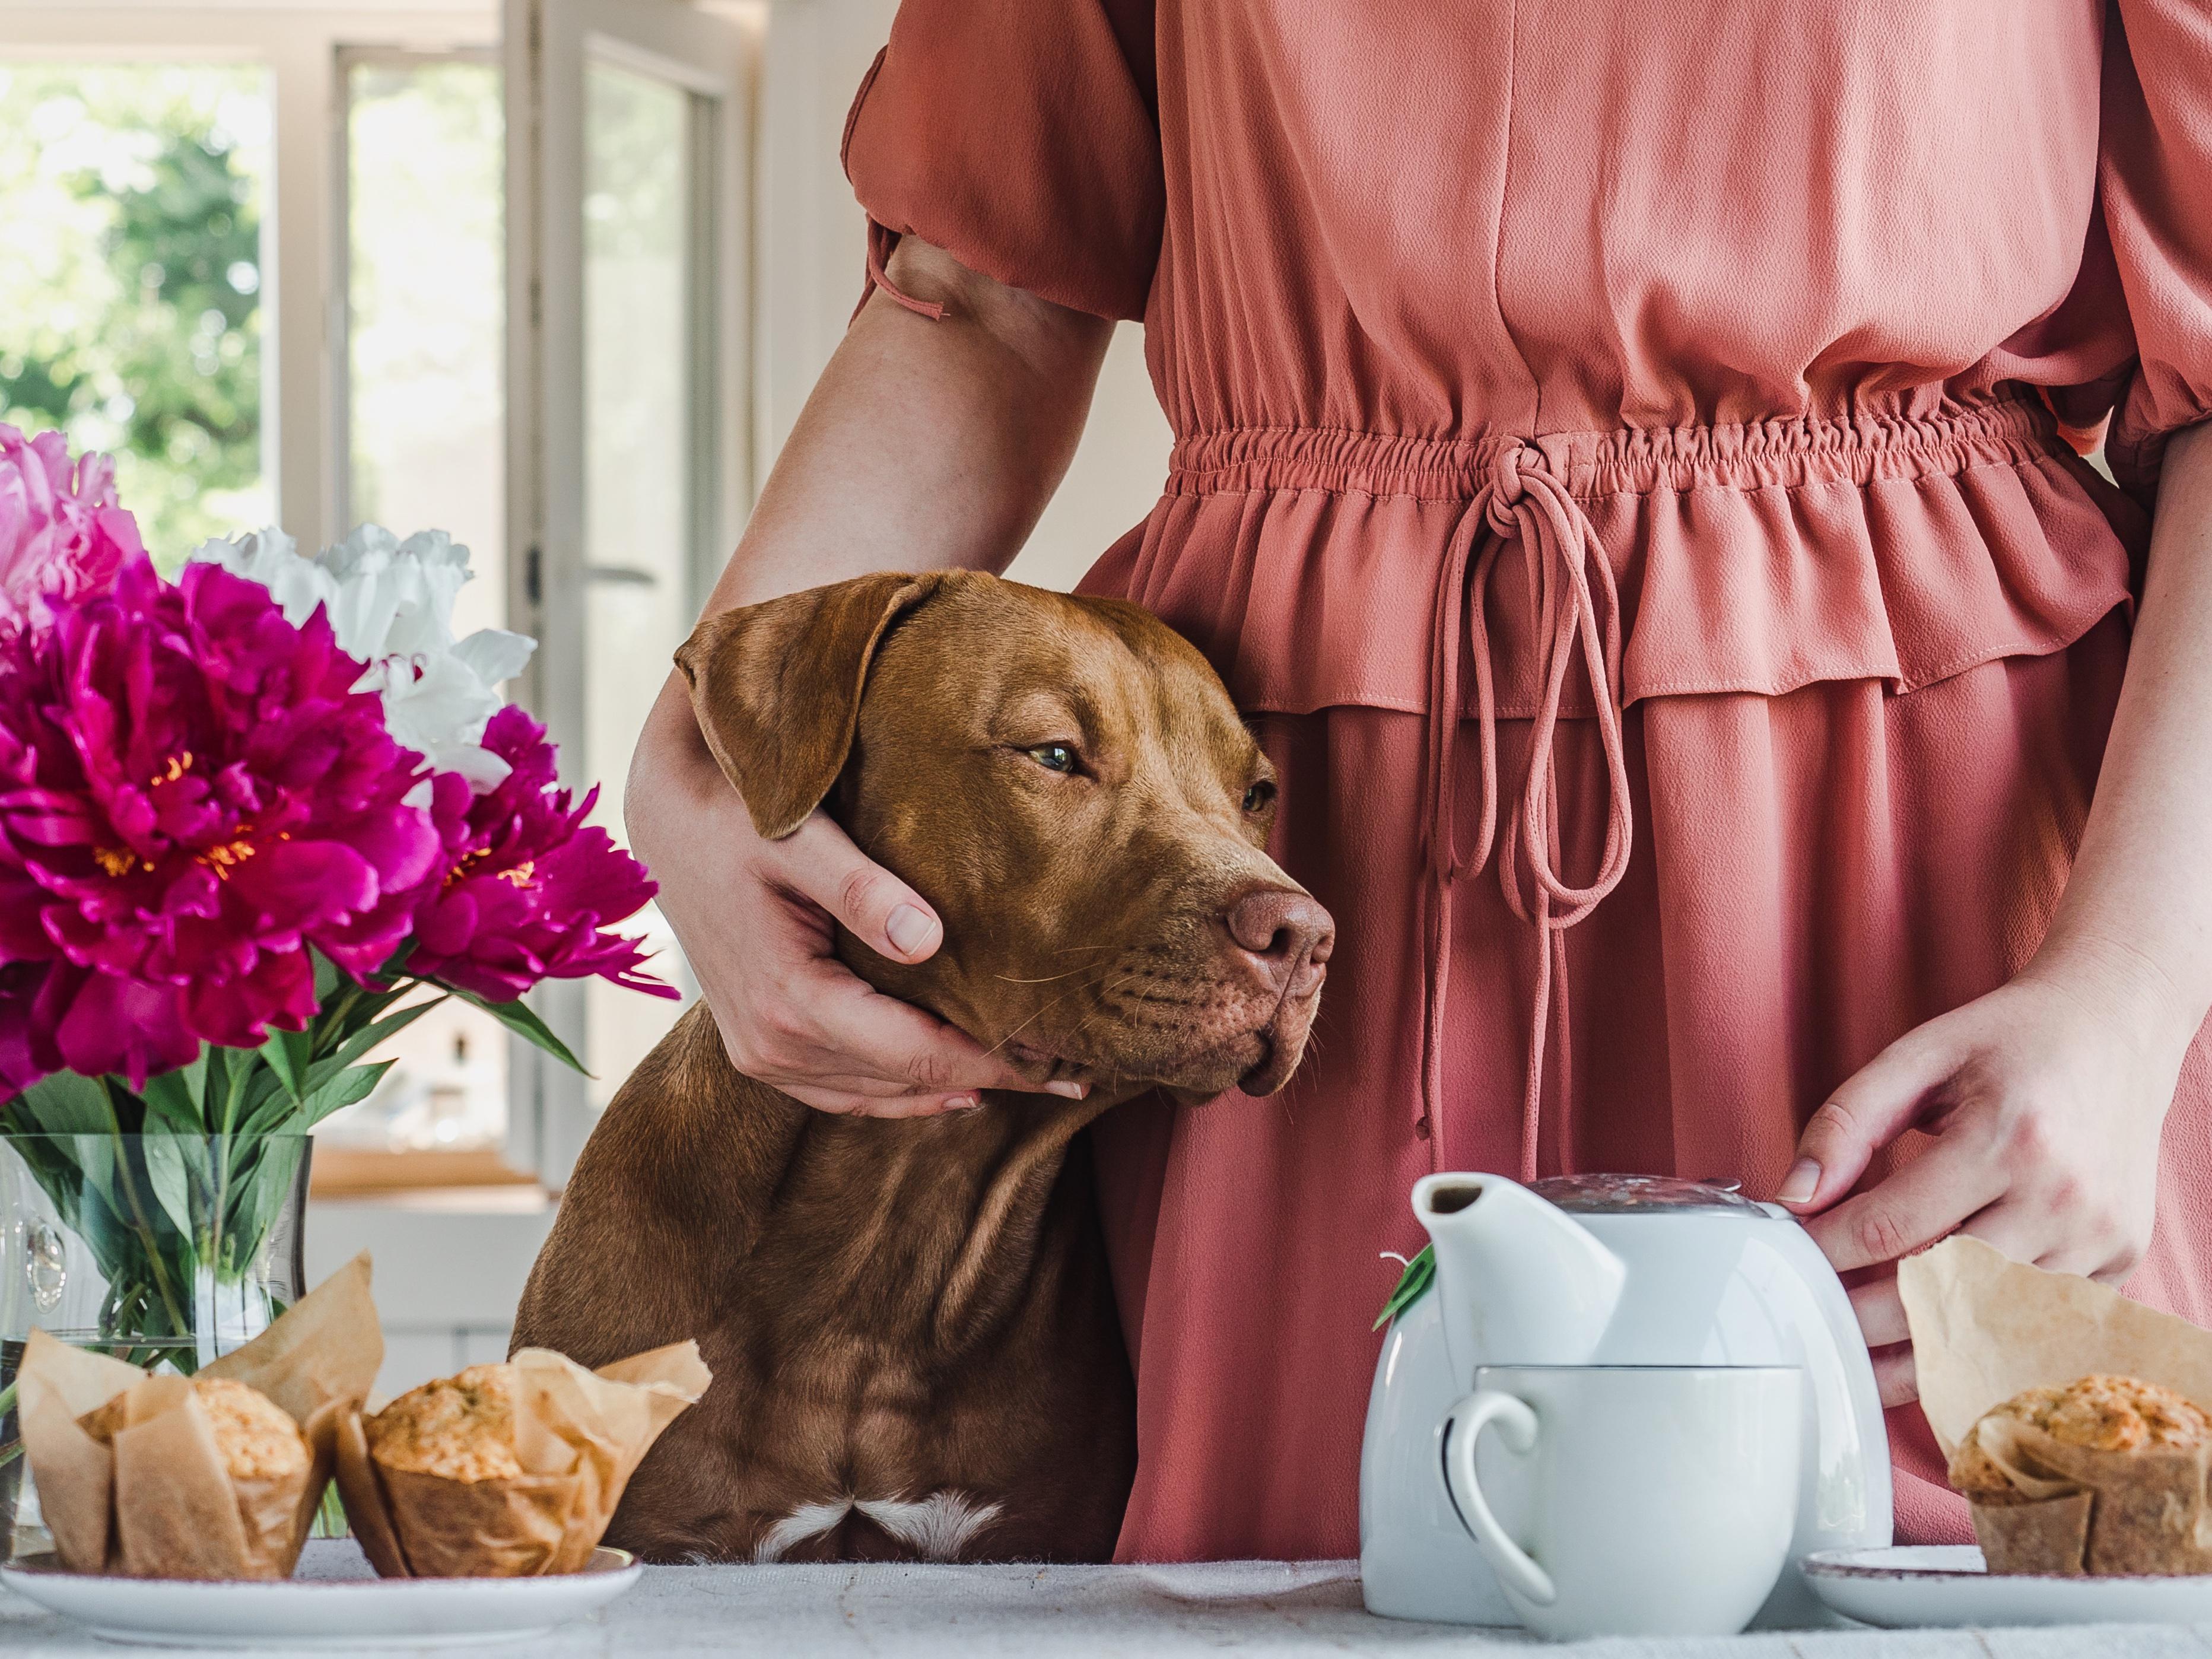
422,402
632,218
643,479
135,325
478,264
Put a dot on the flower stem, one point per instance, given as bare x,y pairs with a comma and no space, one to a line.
234,1074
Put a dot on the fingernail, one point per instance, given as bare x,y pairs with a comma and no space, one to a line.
909,930
962,1104
1071,1090
1802,1183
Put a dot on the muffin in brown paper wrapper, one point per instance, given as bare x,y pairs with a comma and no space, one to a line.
1995,1343
507,1471
214,1476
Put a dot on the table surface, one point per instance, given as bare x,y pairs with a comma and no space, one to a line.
1142,1612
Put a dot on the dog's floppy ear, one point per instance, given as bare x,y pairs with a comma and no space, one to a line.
776,688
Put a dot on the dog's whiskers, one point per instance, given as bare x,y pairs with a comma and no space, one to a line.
1046,1007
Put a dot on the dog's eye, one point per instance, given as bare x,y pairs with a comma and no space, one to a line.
1054,757
1260,796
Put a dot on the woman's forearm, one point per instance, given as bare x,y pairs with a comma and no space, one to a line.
926,445
2136,917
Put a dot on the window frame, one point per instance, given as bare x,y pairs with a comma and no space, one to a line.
713,57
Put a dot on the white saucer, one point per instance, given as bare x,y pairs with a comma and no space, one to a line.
1946,1585
336,1601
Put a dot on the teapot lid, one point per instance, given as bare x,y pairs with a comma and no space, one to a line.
1635,1194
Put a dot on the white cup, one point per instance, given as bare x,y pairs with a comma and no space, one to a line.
1630,1500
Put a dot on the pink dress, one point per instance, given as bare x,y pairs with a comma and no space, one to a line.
1616,468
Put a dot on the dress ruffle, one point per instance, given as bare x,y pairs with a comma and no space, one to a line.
1756,558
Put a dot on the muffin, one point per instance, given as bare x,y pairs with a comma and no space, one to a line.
2101,1476
458,1428
256,1437
506,1471
215,1476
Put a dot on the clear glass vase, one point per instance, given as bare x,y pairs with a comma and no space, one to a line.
166,1250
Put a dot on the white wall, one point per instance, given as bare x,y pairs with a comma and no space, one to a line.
810,257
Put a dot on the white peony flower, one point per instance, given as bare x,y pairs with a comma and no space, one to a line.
391,604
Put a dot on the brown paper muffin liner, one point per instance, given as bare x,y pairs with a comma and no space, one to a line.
157,1501
579,1436
1985,1329
2104,1513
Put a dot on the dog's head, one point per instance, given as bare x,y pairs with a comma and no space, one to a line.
1066,780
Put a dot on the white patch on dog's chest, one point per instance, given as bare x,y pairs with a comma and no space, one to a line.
936,1528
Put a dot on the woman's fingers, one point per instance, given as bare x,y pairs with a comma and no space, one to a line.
822,864
914,1051
1916,1206
847,1102
1883,1099
2014,1230
1880,1311
1895,1377
829,1039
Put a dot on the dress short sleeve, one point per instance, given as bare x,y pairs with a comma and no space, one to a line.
1022,136
2156,183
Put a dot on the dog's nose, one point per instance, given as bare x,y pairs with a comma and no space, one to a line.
1285,934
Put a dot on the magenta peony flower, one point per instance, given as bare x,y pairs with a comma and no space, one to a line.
190,795
528,885
62,536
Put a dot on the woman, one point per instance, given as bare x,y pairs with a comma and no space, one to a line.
1616,470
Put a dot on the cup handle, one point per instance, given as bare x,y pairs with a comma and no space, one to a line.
1463,1426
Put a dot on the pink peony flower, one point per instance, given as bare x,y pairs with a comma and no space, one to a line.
528,885
190,795
62,536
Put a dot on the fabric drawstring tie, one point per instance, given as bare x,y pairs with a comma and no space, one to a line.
1577,606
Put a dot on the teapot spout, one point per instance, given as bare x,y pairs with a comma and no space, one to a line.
1522,1281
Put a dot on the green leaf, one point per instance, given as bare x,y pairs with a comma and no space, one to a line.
215,1066
1419,1274
343,1090
287,1053
171,1105
174,1165
195,1079
328,977
519,1017
372,1034
67,1104
258,1187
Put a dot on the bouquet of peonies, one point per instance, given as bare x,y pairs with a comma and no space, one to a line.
253,823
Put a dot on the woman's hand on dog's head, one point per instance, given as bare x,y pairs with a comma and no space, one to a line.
754,918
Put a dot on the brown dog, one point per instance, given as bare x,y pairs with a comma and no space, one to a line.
915,1344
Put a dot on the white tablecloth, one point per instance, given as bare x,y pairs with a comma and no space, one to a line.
1307,1610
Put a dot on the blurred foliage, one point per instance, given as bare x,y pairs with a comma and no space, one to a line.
132,319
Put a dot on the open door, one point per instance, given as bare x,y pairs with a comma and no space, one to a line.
629,129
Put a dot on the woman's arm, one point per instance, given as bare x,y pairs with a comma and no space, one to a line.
924,446
2047,1096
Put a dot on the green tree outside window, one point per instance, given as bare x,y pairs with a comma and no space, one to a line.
130,302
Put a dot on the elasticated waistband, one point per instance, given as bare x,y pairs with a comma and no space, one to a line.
2004,427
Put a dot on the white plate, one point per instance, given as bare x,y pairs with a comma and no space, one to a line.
1946,1585
335,1599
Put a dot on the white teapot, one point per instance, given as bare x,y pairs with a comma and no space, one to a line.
1605,1270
